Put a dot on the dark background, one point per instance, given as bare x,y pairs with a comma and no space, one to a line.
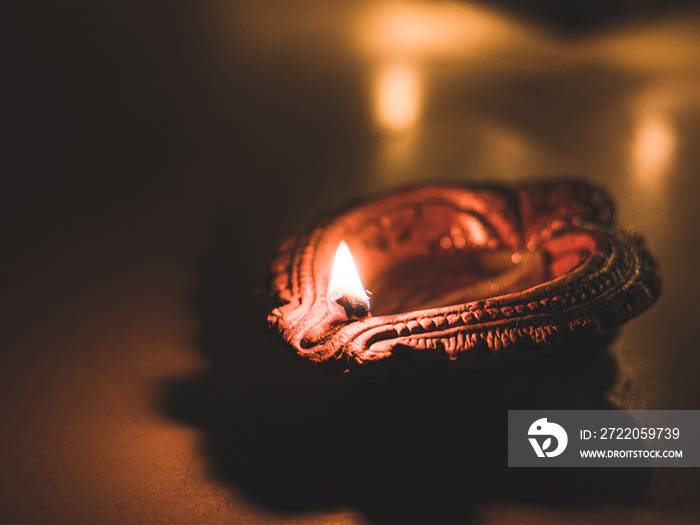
155,154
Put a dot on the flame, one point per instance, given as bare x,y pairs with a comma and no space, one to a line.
345,282
653,150
398,97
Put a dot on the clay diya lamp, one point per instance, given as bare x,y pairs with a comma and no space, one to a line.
461,278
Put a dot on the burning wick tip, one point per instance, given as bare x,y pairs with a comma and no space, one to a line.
348,307
347,298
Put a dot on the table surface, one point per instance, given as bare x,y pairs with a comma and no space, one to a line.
157,154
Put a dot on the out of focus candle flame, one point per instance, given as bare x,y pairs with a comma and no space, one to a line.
398,97
653,150
345,283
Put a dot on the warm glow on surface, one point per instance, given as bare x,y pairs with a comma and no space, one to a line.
670,45
345,281
397,97
419,29
653,150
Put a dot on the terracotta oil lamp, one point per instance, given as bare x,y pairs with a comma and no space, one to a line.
461,278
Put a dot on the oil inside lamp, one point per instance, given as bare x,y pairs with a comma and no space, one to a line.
347,297
454,276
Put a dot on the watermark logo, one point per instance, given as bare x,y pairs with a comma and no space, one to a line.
541,428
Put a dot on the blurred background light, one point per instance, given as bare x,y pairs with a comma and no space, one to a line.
398,97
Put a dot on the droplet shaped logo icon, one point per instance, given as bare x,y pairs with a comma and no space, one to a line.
542,428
